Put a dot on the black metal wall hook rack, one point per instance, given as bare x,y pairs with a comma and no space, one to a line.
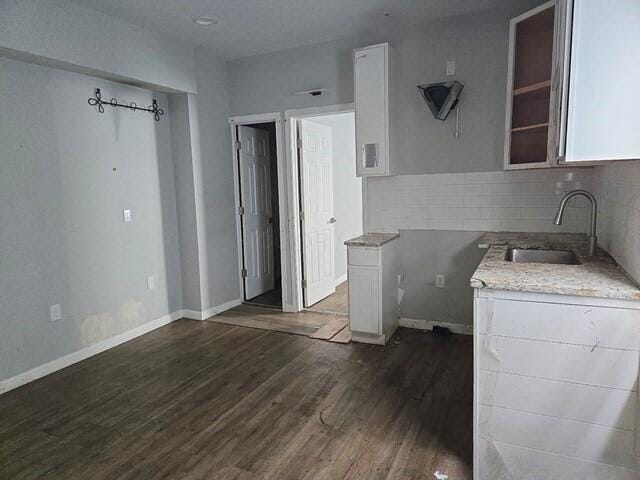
99,103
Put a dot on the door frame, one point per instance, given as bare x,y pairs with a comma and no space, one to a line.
282,200
293,190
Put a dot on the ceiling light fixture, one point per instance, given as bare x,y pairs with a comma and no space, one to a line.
205,21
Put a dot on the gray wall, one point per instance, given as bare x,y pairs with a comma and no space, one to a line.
479,45
181,143
267,83
477,42
67,243
218,213
66,35
66,174
201,140
426,254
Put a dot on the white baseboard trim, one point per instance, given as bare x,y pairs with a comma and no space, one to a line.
419,324
210,312
87,352
341,280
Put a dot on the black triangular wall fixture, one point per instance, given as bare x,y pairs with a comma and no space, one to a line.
441,98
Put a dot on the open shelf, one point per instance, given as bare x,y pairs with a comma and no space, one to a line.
529,146
530,127
532,88
530,95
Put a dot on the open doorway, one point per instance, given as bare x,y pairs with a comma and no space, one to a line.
258,209
330,196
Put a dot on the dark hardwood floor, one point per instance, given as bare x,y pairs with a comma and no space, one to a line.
200,400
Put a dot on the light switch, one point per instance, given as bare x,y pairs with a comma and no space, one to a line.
451,67
151,282
55,312
126,216
440,281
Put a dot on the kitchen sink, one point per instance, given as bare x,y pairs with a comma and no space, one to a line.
556,257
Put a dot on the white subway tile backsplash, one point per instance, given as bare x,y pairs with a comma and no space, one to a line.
617,189
501,213
484,177
482,225
483,201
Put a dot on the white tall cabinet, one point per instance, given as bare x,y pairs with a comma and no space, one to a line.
374,107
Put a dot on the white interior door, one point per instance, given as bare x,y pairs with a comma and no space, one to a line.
316,168
257,226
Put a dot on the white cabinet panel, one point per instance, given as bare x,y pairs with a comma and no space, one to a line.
364,300
586,403
575,324
512,462
557,361
565,437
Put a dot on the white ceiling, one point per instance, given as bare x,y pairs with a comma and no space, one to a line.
252,27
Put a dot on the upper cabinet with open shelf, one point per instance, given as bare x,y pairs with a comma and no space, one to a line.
573,93
529,95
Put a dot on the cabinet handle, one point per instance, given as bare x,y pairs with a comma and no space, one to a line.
332,220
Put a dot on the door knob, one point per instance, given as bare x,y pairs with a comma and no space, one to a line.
332,220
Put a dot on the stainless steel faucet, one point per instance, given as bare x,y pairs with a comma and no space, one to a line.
593,240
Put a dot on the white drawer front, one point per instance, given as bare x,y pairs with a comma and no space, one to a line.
364,256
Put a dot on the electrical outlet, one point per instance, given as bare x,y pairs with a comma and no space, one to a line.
440,281
451,67
126,216
151,282
55,312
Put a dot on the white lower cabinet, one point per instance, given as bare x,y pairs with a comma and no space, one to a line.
373,292
555,387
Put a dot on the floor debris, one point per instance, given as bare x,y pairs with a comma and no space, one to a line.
440,476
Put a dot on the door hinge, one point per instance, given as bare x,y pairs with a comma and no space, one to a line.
299,143
237,145
304,284
244,273
240,210
302,215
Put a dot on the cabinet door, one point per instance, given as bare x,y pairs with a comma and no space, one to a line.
370,77
364,300
602,121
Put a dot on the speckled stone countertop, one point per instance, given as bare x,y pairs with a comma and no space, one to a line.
597,276
371,240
